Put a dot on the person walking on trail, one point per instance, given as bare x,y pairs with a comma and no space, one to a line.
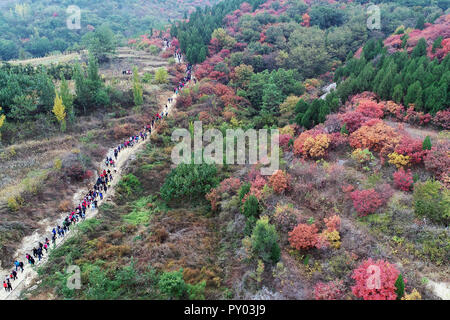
21,265
9,286
17,264
14,275
5,285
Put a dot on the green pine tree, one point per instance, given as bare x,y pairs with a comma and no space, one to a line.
400,287
426,145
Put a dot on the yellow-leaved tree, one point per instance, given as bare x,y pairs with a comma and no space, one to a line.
2,122
161,76
59,111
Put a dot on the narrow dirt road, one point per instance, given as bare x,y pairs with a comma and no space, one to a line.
25,278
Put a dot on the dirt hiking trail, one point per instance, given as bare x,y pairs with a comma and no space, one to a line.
25,278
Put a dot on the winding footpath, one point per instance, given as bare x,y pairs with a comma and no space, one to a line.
25,278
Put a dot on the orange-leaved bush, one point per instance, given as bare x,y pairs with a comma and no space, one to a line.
279,181
333,223
304,236
316,147
375,280
375,136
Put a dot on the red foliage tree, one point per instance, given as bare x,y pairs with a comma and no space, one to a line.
370,108
353,120
375,280
403,180
366,201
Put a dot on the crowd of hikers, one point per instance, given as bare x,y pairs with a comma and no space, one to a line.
95,194
185,80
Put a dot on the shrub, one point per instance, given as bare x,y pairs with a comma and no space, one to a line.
426,144
352,121
332,238
286,217
403,180
303,236
244,190
411,148
438,159
75,172
431,201
442,119
189,181
264,241
15,203
129,185
316,147
414,295
362,156
196,291
378,137
251,207
370,108
284,140
366,201
333,223
333,290
375,280
398,160
172,285
279,181
213,197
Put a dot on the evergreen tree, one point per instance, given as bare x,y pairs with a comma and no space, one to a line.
300,108
400,287
324,110
397,94
420,49
420,24
272,98
414,95
426,145
264,241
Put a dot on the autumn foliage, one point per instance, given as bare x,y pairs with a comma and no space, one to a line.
279,181
366,201
375,280
333,290
403,180
304,237
377,137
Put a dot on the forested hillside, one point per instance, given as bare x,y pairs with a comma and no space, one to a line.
362,187
36,28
